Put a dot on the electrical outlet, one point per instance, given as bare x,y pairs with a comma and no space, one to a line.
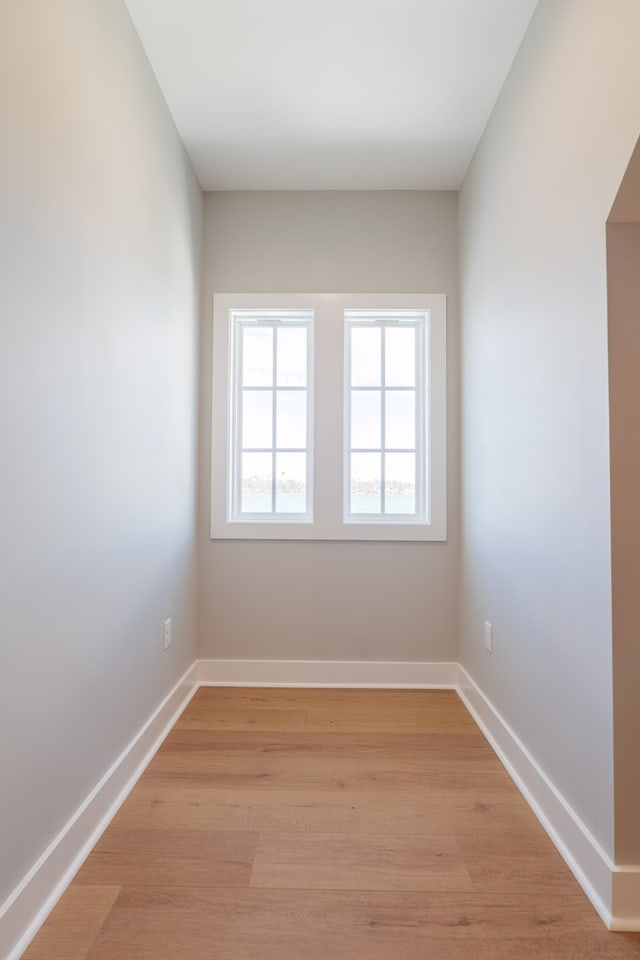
166,639
488,637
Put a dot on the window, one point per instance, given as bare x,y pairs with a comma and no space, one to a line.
384,415
271,462
329,417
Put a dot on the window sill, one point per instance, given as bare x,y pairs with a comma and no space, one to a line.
409,532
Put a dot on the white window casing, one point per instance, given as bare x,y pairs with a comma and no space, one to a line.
341,495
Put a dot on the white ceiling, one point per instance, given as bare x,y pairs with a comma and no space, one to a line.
330,94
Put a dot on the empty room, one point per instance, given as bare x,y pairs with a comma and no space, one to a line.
319,460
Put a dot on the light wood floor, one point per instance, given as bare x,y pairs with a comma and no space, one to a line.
326,825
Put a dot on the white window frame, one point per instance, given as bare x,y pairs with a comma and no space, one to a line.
327,520
418,320
272,319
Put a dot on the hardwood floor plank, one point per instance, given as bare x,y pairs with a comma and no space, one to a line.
327,699
264,770
463,812
335,710
237,718
325,861
418,773
527,865
326,761
74,923
405,721
181,857
359,745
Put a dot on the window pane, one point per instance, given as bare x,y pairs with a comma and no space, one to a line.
400,483
255,490
365,483
400,357
291,419
257,418
366,353
257,356
365,419
292,357
400,419
291,483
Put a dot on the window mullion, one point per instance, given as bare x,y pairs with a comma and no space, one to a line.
238,413
347,442
383,430
310,408
419,418
420,413
274,395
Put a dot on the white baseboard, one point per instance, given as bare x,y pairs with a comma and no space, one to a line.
613,890
327,673
26,909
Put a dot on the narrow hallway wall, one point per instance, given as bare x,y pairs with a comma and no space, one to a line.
100,232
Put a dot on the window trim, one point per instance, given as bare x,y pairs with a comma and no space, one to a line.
328,434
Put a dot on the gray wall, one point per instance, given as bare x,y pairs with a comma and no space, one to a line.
100,233
623,296
535,557
361,601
